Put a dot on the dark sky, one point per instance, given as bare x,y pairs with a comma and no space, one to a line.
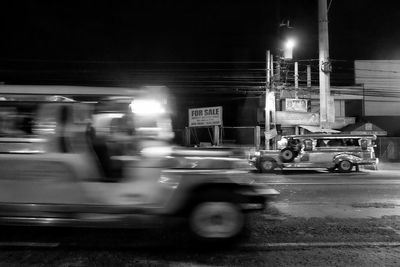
51,36
137,30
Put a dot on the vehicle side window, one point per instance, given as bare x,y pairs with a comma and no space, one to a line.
335,142
321,143
14,123
352,142
308,145
356,142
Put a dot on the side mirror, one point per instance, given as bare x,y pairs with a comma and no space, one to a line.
364,144
308,145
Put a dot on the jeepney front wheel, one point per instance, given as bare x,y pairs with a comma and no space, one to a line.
267,165
216,218
345,166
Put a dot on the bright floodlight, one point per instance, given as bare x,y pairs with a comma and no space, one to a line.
290,43
146,107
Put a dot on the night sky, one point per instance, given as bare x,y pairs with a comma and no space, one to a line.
115,42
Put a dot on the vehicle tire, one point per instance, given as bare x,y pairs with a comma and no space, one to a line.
287,155
215,221
345,166
267,165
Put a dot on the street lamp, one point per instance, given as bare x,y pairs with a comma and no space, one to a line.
288,48
290,43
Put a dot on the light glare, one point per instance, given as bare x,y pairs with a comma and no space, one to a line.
290,43
147,107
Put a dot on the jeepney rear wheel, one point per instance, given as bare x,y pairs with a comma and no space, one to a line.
267,165
287,154
345,166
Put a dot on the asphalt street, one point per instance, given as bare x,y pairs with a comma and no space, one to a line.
318,193
320,219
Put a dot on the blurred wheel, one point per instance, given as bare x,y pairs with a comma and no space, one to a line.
267,165
216,220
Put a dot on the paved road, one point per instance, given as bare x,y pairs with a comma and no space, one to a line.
319,193
294,241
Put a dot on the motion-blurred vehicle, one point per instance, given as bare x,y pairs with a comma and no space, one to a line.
331,151
82,156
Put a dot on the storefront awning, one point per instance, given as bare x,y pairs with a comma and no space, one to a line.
364,128
315,129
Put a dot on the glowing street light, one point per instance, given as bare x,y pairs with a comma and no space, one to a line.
290,43
288,49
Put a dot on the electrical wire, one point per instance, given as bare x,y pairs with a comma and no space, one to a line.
236,76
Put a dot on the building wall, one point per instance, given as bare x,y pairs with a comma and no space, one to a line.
382,106
353,108
381,80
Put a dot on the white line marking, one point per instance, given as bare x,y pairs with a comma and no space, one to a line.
331,183
29,244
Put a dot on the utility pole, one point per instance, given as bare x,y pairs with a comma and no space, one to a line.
272,70
267,108
272,86
296,89
324,66
296,79
309,81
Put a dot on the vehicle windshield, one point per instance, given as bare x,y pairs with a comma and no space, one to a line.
16,120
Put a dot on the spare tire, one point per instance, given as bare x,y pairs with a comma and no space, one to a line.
287,154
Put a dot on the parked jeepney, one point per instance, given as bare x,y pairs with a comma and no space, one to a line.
330,151
92,156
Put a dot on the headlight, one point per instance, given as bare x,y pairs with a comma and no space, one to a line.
253,153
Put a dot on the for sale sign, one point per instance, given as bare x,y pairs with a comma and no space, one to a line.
208,116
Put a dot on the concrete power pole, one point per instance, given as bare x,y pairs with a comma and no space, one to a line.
296,79
324,66
267,108
309,77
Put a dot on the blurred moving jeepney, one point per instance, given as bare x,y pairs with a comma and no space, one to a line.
69,154
331,151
